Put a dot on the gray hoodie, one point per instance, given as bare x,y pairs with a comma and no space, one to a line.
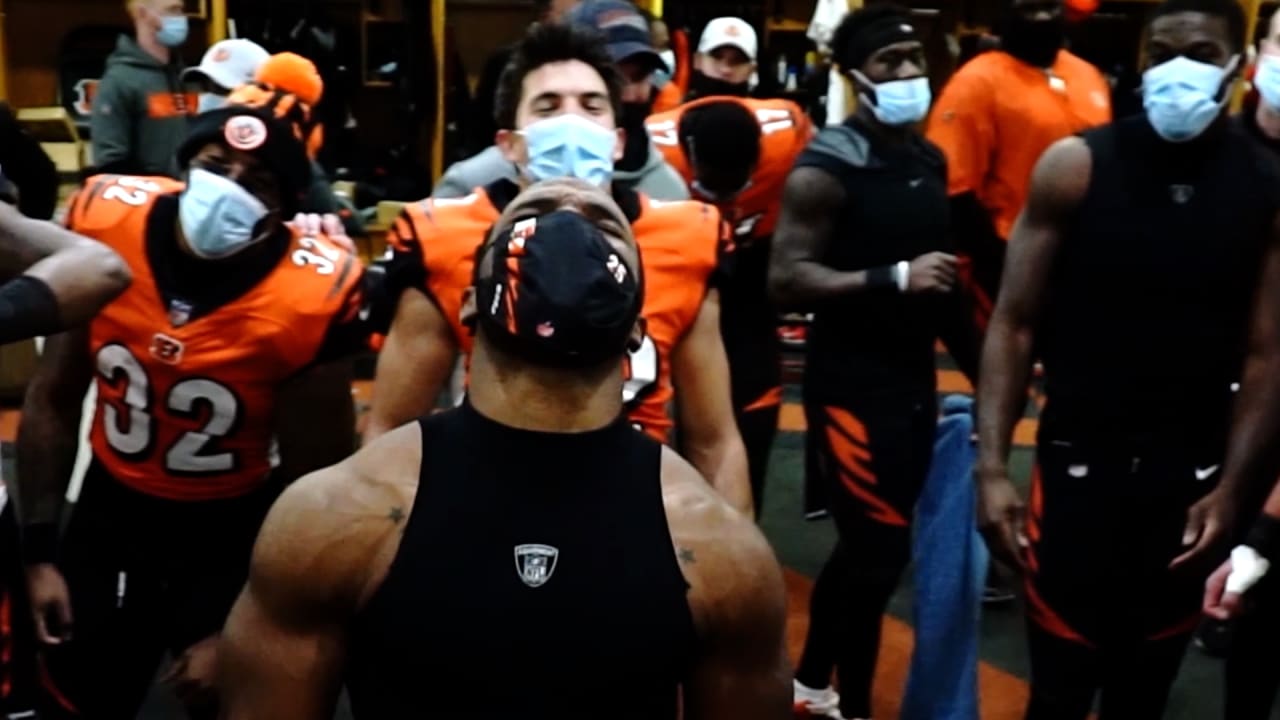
140,113
656,178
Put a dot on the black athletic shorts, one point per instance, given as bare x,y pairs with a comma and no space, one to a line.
146,576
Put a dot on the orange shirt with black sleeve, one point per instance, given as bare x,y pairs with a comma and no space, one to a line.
998,114
681,248
785,130
187,388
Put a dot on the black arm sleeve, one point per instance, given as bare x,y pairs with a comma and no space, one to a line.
28,308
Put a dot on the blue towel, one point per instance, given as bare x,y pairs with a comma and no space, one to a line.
950,566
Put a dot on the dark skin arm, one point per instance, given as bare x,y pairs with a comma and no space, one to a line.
49,432
1058,184
1256,417
322,552
83,274
811,200
738,599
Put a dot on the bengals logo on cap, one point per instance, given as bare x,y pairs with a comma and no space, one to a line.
221,55
245,132
732,31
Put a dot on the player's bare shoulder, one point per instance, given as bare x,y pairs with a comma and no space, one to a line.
333,534
729,565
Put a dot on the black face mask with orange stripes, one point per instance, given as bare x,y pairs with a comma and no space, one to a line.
1035,42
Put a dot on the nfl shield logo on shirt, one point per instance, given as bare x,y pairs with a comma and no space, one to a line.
535,563
179,313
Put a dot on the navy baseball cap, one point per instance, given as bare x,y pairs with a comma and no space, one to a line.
557,293
625,31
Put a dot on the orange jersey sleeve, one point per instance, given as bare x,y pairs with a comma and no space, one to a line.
434,241
997,115
681,245
785,130
186,396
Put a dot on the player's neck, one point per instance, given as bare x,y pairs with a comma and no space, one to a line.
1268,121
542,399
523,183
151,46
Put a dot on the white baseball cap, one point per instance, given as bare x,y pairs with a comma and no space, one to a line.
229,63
732,31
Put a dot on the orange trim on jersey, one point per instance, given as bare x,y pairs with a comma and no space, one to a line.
770,398
161,105
1049,620
46,680
847,438
1185,626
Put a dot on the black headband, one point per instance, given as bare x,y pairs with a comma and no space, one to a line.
879,34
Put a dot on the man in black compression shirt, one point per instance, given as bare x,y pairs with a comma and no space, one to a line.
1145,273
528,547
863,243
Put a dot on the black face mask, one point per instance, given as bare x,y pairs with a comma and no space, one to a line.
1035,42
636,152
702,86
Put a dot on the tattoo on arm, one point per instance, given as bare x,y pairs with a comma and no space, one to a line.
396,515
685,555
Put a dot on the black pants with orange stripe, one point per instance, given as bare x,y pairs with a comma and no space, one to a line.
1106,615
758,425
872,457
147,576
17,632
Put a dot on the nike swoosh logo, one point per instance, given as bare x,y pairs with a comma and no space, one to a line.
1206,473
916,182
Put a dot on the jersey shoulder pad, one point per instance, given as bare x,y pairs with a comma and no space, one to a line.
107,202
685,221
317,276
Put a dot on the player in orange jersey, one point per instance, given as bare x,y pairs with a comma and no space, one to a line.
564,93
735,153
224,338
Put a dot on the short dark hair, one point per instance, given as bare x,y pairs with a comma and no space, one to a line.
846,34
1228,10
546,43
724,135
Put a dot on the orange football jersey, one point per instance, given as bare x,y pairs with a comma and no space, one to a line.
785,130
680,248
186,401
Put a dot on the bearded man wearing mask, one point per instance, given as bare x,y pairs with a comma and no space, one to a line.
1160,231
725,61
641,168
141,108
994,118
863,241
558,105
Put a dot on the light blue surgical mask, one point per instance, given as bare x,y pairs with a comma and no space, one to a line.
218,215
569,146
662,76
1183,97
1267,80
898,102
173,31
210,101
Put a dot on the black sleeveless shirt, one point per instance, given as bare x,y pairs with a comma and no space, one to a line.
879,341
1148,311
536,578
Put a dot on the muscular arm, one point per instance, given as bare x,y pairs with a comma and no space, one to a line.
709,434
811,200
738,599
1057,185
321,553
82,274
1256,421
315,425
413,365
49,431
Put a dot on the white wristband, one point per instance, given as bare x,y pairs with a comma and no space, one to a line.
1247,568
902,273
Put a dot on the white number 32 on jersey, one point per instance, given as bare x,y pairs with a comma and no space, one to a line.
640,373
